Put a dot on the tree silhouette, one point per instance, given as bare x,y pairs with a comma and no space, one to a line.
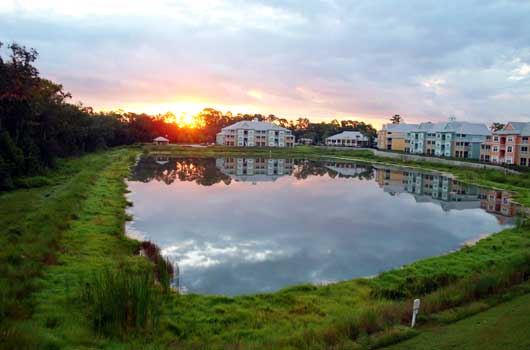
396,119
497,126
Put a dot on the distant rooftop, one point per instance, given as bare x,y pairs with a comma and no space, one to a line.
429,127
519,128
160,138
454,126
467,128
399,127
352,135
254,125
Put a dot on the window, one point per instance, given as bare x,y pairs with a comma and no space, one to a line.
524,149
523,161
495,149
496,138
510,139
509,149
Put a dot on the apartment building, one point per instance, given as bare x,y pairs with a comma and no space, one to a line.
422,139
461,140
255,134
348,139
394,137
508,146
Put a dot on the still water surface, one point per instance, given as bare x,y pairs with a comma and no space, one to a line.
247,225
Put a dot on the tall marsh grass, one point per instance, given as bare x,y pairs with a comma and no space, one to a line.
122,300
163,268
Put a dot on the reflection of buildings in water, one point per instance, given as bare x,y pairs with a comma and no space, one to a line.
346,169
255,169
498,203
391,181
442,190
447,192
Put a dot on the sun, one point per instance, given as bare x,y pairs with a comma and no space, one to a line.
186,120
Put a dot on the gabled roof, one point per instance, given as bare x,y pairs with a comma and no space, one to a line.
519,128
454,126
160,138
429,127
466,128
399,127
254,125
352,135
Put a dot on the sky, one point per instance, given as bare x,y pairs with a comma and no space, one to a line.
364,59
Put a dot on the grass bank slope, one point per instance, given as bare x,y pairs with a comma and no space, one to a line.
505,326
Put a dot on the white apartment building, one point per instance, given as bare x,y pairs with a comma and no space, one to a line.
348,139
255,134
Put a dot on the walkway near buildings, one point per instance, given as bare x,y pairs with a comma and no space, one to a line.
421,158
459,163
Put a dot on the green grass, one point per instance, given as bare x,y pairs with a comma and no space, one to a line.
64,255
122,301
505,326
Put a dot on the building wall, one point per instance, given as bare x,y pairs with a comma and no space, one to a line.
346,142
399,143
444,144
506,149
392,141
381,140
255,138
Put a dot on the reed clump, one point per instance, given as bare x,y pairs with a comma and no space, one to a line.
123,300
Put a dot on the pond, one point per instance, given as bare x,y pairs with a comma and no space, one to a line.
251,225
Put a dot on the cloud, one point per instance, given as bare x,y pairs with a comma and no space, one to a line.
363,59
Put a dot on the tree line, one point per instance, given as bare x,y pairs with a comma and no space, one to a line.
39,124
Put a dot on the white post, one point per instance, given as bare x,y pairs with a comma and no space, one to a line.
415,309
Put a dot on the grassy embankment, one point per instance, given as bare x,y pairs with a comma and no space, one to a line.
502,327
65,262
59,235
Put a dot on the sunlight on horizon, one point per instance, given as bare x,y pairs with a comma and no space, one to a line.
184,112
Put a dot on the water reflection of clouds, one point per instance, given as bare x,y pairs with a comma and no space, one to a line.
200,255
243,238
